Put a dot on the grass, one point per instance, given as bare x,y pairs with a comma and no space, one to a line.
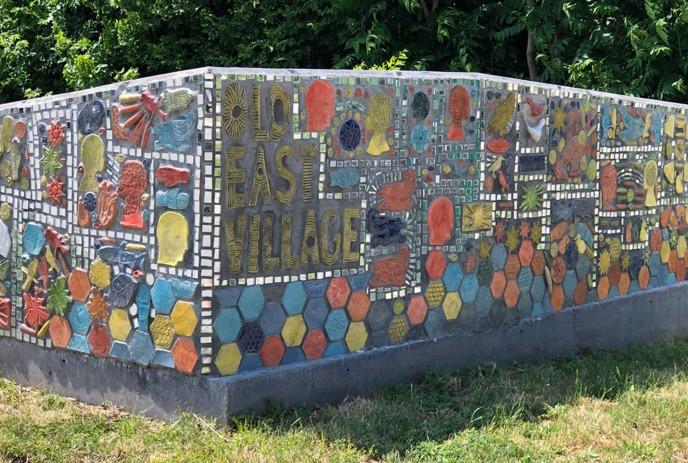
630,405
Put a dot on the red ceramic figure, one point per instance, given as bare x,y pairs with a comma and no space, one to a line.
171,176
132,184
5,313
391,270
107,203
319,105
459,110
440,221
397,196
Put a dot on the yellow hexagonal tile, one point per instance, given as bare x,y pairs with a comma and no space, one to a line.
356,336
665,251
120,325
162,330
294,330
451,305
184,318
681,246
228,359
434,293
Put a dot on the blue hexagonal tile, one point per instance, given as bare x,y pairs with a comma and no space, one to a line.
141,348
434,323
293,355
227,324
294,297
163,358
272,319
525,279
335,348
227,297
336,324
654,263
498,256
79,318
79,343
250,362
613,292
315,313
525,305
583,267
163,296
452,276
484,301
538,310
360,281
379,316
251,302
120,351
537,289
316,288
184,289
570,282
469,288
33,238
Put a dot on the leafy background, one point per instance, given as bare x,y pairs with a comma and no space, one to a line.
624,46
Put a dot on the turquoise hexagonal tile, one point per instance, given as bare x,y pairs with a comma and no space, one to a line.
570,282
163,358
434,323
79,343
537,289
452,276
163,296
469,288
272,319
498,256
294,297
251,302
141,348
336,348
79,318
227,324
120,351
336,324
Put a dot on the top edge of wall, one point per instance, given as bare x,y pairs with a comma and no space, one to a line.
319,73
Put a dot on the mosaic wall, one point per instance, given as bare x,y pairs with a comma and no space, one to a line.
219,221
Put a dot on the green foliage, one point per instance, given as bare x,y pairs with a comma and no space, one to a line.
633,47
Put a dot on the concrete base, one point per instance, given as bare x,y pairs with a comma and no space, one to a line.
643,317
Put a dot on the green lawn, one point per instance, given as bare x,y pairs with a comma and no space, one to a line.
602,406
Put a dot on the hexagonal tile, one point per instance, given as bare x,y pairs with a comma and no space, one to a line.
570,282
272,318
417,309
338,292
435,263
79,318
451,305
79,284
141,348
294,297
498,284
483,301
250,337
512,266
184,355
163,296
557,298
184,318
358,305
525,305
469,288
99,340
498,255
315,313
227,324
251,302
336,324
511,293
120,351
379,316
162,331
60,332
525,253
434,293
452,276
228,359
293,330
398,329
314,344
537,289
120,325
272,351
580,295
356,336
435,323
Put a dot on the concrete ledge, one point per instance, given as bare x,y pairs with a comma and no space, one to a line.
642,317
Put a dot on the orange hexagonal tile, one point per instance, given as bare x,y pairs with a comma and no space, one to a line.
79,284
435,264
643,277
272,351
498,284
60,332
512,267
624,283
614,274
525,253
184,355
673,261
558,270
538,263
417,309
580,295
358,306
314,344
511,293
99,339
681,270
338,292
603,288
557,298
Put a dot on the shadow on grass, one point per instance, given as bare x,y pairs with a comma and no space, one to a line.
441,404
